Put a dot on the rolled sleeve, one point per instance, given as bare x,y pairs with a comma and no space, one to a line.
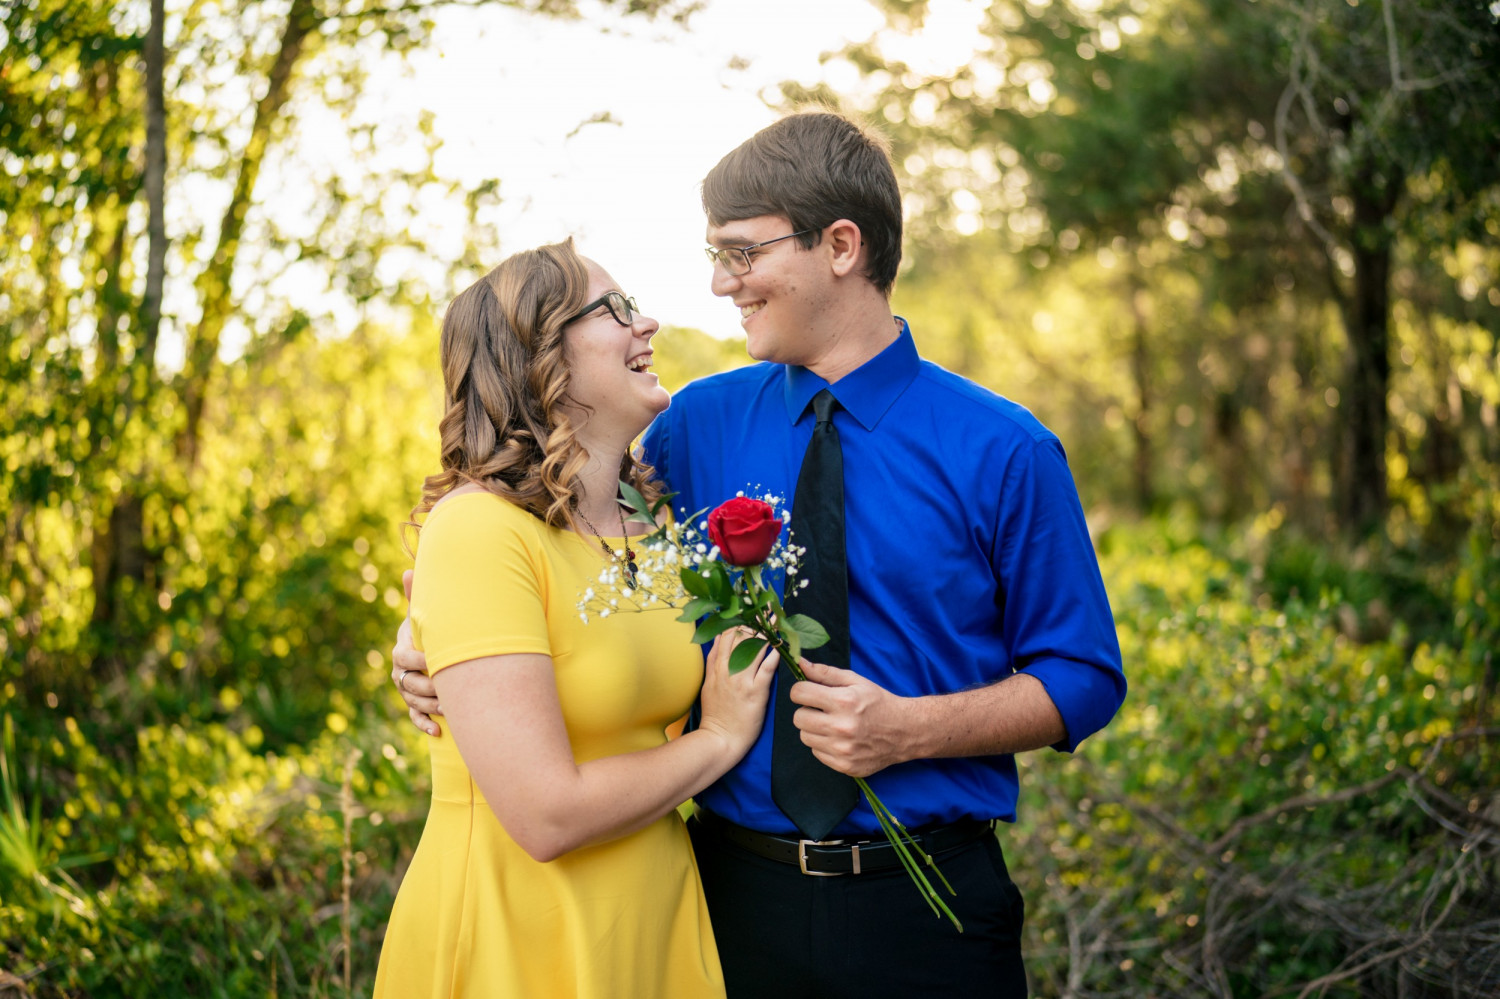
1055,613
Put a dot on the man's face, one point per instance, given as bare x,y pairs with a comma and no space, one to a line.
784,299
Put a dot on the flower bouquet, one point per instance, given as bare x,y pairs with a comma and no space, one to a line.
721,582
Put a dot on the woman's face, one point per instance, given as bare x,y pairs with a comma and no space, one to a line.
610,364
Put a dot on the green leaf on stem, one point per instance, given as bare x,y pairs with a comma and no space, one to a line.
809,631
776,608
694,582
696,608
719,586
733,607
640,510
661,501
791,638
713,628
744,653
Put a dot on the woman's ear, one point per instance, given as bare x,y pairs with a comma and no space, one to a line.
845,247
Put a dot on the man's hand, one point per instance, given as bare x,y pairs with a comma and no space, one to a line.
858,727
851,724
409,673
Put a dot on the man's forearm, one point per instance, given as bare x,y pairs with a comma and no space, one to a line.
858,727
1014,715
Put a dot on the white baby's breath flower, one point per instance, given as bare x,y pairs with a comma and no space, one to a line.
700,548
583,617
643,580
713,553
588,594
604,612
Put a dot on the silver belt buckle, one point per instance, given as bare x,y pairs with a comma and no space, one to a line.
803,844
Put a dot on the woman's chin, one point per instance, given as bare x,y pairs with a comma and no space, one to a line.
651,404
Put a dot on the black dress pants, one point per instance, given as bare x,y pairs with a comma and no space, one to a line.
785,935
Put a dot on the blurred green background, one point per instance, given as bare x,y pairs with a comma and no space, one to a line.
1241,256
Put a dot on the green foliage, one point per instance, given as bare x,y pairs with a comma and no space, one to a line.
1276,795
223,874
201,564
1240,232
1277,801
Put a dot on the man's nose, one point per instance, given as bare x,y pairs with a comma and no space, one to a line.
723,282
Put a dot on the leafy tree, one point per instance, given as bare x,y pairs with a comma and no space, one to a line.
136,142
1272,140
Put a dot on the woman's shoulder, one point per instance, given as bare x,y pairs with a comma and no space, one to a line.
474,513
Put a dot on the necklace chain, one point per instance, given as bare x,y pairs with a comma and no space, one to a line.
628,562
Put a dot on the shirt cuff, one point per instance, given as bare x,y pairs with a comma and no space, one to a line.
1086,695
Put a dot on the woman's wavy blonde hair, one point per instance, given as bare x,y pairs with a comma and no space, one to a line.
505,378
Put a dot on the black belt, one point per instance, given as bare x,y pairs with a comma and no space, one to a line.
829,857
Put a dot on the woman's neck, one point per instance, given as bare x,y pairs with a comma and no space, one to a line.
598,497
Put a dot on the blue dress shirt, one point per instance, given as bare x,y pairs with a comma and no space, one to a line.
969,558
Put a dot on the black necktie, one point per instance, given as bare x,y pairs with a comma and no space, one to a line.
810,794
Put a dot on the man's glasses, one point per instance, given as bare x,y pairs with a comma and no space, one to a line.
736,259
624,310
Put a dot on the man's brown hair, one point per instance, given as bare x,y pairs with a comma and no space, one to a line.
813,168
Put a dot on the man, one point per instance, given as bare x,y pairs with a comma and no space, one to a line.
977,623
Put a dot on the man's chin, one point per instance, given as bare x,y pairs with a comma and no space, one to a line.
763,348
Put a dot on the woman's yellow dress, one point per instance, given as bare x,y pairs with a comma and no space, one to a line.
476,915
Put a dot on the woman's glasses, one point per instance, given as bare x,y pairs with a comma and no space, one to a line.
624,310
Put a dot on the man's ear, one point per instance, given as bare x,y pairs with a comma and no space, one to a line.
846,246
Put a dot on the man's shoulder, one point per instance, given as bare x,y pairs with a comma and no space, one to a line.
732,386
973,407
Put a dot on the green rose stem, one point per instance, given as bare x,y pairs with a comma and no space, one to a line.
764,612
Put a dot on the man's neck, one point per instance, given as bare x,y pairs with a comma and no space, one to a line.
860,334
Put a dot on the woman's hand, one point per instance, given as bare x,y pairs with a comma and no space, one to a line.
734,707
409,673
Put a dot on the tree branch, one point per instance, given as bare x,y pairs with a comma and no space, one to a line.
213,285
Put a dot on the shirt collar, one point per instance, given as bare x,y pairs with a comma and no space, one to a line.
867,391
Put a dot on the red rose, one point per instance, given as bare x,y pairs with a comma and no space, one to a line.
744,529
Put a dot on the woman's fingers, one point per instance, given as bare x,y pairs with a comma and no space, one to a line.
769,661
725,643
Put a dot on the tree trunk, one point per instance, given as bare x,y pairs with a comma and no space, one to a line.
213,285
1367,323
119,553
119,549
156,178
1140,367
1229,440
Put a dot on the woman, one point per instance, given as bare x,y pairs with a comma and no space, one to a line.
553,861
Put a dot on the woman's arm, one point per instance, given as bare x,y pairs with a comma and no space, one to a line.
504,714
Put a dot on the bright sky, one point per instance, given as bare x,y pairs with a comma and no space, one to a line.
506,89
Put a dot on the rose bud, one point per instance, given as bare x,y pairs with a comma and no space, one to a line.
744,529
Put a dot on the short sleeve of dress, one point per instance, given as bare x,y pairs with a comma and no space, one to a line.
478,584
